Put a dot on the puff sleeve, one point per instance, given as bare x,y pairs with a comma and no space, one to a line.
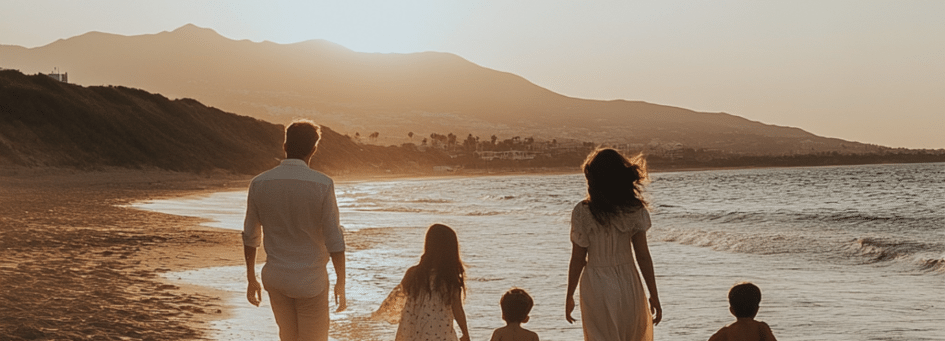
581,223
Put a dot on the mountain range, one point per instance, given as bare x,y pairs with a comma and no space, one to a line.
392,94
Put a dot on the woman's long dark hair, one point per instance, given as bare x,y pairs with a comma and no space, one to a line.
614,183
440,270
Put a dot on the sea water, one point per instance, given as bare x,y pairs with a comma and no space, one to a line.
840,253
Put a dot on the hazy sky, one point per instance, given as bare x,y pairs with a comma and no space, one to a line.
862,70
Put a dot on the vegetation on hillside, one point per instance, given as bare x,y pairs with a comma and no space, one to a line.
46,123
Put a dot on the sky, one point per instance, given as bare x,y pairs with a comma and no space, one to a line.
861,70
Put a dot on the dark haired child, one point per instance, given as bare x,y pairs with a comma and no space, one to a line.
516,304
434,290
743,300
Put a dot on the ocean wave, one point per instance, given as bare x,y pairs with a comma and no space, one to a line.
933,265
742,242
430,201
789,217
857,251
877,250
499,197
452,212
485,213
395,209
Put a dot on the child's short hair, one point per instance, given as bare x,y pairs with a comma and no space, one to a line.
516,304
744,299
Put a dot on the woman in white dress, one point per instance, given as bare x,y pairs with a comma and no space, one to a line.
608,236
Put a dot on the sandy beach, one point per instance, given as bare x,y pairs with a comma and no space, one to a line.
78,264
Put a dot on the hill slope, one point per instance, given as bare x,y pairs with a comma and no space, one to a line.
389,93
44,122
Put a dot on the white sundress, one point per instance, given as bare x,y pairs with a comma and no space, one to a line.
614,305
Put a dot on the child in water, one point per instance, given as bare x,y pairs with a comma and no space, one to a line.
434,291
516,304
743,300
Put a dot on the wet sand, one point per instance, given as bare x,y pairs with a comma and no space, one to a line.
78,264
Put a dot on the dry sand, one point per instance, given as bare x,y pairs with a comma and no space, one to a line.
76,264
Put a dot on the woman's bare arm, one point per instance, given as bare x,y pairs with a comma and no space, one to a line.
642,252
576,266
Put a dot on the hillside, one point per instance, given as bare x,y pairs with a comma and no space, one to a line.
392,94
46,123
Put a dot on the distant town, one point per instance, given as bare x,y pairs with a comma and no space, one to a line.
518,152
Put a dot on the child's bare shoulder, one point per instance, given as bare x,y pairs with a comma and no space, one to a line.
499,333
744,330
508,334
722,334
532,336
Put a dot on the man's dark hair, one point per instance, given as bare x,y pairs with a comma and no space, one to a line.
300,138
744,299
516,304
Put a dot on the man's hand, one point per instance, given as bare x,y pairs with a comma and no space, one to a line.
254,292
340,299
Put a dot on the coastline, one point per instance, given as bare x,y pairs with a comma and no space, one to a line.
109,257
79,263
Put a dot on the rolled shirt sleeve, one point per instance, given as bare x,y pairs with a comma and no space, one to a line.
252,228
331,226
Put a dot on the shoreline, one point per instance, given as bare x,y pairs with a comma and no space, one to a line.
80,262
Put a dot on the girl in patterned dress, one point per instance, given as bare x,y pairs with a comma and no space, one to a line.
434,290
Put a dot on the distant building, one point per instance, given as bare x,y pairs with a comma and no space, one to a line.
506,155
62,77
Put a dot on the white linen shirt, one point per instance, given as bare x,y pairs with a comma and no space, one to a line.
296,207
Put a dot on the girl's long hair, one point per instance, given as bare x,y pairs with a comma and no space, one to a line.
614,183
440,270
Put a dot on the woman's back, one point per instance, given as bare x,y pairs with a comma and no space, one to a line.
608,245
613,300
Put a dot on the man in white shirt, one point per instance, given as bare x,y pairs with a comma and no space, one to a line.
296,207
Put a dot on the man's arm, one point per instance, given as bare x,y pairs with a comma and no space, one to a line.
335,244
253,289
252,238
338,261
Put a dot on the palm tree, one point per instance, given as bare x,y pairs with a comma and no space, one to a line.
451,139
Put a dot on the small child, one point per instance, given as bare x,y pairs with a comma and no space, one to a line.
516,304
743,300
434,290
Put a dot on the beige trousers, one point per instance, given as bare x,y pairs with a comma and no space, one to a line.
301,319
